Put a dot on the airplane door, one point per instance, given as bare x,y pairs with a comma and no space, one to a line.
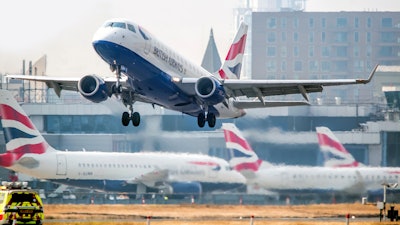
61,165
147,46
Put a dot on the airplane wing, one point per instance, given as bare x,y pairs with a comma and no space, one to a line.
60,83
262,88
151,178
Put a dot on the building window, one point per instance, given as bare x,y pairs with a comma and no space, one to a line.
295,36
356,22
368,37
388,37
311,37
356,51
283,36
313,66
341,22
271,37
271,51
341,37
323,23
283,22
341,66
311,22
297,66
295,23
283,66
311,51
271,23
358,66
283,51
386,51
325,51
341,51
387,22
271,66
323,36
325,66
296,51
369,51
369,22
356,36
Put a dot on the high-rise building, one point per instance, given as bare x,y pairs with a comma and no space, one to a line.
324,45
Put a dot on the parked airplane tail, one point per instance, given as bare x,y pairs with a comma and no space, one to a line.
334,152
244,159
234,59
20,134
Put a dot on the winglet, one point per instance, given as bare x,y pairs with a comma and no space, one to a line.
366,81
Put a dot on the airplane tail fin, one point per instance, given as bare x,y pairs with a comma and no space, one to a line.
335,154
20,134
244,159
234,59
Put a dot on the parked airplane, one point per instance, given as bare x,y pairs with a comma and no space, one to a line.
289,180
335,154
156,74
170,173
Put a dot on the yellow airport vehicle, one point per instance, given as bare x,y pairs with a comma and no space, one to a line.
19,204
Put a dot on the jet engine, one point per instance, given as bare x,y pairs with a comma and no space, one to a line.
182,189
93,88
210,90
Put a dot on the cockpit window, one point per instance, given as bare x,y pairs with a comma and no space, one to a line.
115,24
131,28
143,34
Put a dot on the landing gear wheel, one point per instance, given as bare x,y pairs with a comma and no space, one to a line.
125,118
135,119
211,120
201,119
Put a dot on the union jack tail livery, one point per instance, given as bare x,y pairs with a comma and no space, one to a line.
234,59
243,157
20,134
335,154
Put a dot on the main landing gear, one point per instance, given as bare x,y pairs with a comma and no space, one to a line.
117,90
126,118
201,119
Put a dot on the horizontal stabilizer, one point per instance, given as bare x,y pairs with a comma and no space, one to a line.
266,104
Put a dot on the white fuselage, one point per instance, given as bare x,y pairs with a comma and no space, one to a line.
146,168
161,68
324,179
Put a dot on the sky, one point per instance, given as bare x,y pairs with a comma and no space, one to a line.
63,29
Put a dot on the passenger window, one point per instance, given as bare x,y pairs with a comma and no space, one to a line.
131,28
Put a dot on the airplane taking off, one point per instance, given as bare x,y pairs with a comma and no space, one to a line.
154,73
292,180
170,173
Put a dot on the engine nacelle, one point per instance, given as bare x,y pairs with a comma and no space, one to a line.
183,189
93,88
210,90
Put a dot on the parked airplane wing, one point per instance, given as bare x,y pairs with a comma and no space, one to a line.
152,177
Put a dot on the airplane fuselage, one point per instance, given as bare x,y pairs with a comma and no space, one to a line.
123,172
291,179
152,69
